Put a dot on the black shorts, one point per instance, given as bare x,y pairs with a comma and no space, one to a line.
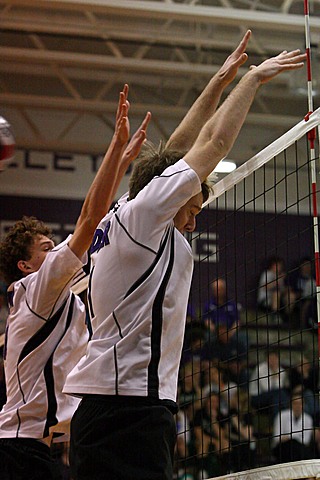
26,459
121,441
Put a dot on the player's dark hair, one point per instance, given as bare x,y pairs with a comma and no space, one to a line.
17,244
151,162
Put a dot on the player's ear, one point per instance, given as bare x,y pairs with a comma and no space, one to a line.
24,267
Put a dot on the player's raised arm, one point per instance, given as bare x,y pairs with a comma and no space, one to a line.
114,165
206,104
132,149
220,132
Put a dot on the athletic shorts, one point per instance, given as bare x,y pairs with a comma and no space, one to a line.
121,441
26,459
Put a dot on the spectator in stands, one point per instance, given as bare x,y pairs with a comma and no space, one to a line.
189,401
275,295
183,457
226,344
214,381
220,309
211,438
194,341
293,432
243,440
305,374
304,284
268,386
190,388
305,281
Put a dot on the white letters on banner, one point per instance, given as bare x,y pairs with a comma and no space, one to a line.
52,175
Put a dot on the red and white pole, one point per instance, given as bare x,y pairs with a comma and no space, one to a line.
313,172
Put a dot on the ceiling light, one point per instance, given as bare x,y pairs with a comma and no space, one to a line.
225,166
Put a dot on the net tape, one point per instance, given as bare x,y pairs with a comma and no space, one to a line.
284,471
264,156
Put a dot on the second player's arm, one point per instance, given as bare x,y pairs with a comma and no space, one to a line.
206,104
104,186
220,132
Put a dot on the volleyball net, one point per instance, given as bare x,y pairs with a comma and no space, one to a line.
249,375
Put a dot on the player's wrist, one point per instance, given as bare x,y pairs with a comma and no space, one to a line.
253,77
119,141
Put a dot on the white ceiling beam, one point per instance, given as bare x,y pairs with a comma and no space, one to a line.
93,106
137,33
106,61
177,11
76,73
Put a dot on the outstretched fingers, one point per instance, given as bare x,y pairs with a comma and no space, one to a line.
145,123
275,65
293,59
134,146
123,100
237,58
122,130
243,44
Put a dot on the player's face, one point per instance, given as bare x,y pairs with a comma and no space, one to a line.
185,219
41,247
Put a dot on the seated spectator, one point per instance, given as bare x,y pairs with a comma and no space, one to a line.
189,397
304,284
305,375
189,401
243,441
183,458
214,382
293,432
275,295
194,341
227,343
220,309
268,386
211,438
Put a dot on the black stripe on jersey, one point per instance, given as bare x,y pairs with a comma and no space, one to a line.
152,266
40,336
90,306
32,311
49,377
131,238
10,297
74,276
116,369
156,330
172,174
136,285
117,323
51,398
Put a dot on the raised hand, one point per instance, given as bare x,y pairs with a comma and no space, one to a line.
271,67
122,128
237,58
134,146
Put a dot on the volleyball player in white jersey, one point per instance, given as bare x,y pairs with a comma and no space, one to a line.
142,265
46,333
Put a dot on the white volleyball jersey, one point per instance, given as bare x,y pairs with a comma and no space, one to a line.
140,281
45,337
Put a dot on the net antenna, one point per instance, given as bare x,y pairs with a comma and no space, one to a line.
313,174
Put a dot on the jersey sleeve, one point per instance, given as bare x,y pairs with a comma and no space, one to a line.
47,288
156,205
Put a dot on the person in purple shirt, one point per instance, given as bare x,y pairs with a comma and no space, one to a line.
226,343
